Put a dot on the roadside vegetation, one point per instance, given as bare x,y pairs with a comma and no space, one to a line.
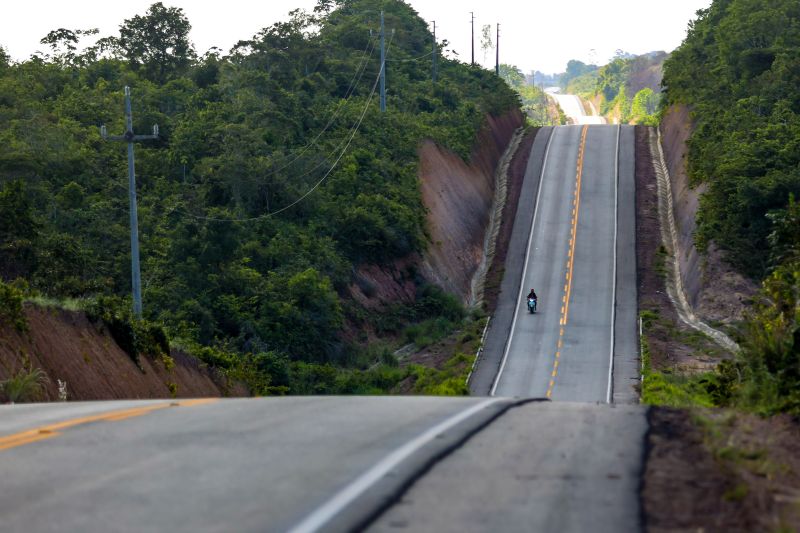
275,176
540,109
738,71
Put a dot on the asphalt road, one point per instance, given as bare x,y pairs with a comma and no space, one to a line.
572,106
579,255
228,465
541,467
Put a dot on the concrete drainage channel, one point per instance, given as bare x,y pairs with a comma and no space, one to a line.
669,237
495,220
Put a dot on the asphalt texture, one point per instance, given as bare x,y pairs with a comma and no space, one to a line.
542,467
229,465
579,256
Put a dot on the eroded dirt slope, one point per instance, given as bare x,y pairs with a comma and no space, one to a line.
70,348
459,196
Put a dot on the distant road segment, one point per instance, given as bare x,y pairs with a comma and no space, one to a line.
573,108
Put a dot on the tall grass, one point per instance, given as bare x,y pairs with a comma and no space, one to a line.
25,386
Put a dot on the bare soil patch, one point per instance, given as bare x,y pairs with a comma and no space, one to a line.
717,470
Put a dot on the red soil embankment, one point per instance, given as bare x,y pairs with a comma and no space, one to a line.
459,197
715,291
68,347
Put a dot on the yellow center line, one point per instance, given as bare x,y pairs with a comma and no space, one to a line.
576,202
53,430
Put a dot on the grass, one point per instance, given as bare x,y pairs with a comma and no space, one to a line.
667,388
429,331
26,385
451,378
68,304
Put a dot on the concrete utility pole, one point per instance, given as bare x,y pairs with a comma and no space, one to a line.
130,138
434,52
497,52
472,14
383,66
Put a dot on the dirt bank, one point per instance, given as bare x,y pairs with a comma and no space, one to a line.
716,292
68,347
458,196
716,470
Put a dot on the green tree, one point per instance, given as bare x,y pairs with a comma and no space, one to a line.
158,42
18,231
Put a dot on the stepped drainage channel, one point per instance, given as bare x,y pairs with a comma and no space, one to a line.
669,237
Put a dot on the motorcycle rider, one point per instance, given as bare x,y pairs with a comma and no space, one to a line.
532,294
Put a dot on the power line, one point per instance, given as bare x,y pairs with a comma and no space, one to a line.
353,132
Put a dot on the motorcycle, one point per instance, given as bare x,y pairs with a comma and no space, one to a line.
532,305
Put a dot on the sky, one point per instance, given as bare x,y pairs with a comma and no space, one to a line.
534,35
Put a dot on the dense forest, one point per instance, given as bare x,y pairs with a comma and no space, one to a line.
274,176
739,71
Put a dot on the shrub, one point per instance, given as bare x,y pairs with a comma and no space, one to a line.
25,386
135,336
11,309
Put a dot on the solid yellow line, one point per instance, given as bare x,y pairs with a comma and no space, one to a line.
575,221
53,430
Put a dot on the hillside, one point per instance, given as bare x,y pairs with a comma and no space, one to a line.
275,187
626,90
741,167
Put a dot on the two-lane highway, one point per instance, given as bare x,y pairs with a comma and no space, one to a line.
573,247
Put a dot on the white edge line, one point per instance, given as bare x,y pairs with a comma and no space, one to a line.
525,267
614,282
324,513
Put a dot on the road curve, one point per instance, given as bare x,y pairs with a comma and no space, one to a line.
581,345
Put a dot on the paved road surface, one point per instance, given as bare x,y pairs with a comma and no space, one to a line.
573,108
319,464
555,467
229,465
578,252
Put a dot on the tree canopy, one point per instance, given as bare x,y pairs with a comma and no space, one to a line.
275,175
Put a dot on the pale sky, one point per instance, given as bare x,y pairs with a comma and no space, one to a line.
533,35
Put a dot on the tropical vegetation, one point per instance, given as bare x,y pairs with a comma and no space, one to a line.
274,176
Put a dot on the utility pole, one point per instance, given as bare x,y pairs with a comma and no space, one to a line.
130,138
497,52
435,52
383,66
472,14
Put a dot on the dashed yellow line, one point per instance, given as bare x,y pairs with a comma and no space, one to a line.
53,430
576,202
